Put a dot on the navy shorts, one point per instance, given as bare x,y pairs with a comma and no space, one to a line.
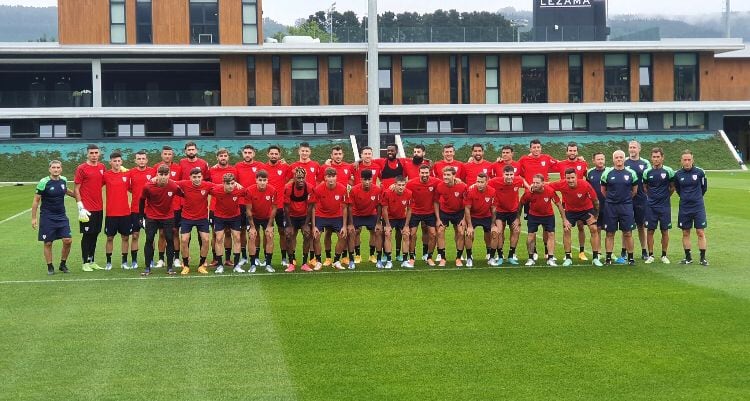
428,219
50,230
280,219
94,225
484,222
690,219
618,217
658,216
452,218
601,219
547,223
575,217
186,226
397,224
260,224
334,223
135,222
365,221
118,225
298,223
508,217
639,212
232,223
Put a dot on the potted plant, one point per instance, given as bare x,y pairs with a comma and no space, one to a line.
86,98
208,97
77,98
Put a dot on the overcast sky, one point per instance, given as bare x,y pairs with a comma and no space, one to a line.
287,11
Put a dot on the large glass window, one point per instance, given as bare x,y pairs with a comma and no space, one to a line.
504,123
251,91
385,79
627,121
616,78
276,80
645,79
117,21
335,81
453,80
685,76
575,79
492,80
143,22
568,122
204,21
534,79
305,81
465,82
415,80
249,22
694,120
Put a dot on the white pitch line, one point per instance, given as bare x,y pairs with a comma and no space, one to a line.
15,215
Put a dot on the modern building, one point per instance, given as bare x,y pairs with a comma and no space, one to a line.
173,68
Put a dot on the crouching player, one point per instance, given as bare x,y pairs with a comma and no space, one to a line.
156,205
53,223
261,201
329,214
227,215
195,214
297,215
396,212
479,206
365,210
540,200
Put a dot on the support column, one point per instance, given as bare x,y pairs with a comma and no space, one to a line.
96,82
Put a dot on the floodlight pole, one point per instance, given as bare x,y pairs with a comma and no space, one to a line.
373,101
727,21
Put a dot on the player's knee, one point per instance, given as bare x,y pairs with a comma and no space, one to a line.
67,241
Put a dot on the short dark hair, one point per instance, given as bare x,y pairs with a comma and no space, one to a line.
419,146
366,174
261,174
391,144
657,150
163,169
191,143
272,147
248,146
364,148
448,146
115,155
509,169
570,170
482,175
196,170
141,152
92,146
337,147
221,151
597,154
167,147
508,147
477,145
330,172
424,167
535,142
400,178
228,177
572,144
449,169
304,145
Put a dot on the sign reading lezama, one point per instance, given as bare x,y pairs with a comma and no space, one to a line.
564,3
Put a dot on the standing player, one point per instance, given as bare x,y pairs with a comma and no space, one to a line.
424,195
477,164
449,154
89,180
639,166
479,205
539,200
262,202
297,215
279,173
245,174
581,207
329,213
449,209
506,205
619,186
418,159
118,220
392,167
594,177
156,205
505,159
572,160
344,172
195,214
227,216
53,222
367,163
175,174
396,211
364,200
691,185
191,161
313,171
139,176
659,187
535,163
217,173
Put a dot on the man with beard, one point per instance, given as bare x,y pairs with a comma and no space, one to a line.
175,174
365,211
344,172
217,173
246,169
449,209
477,164
424,195
279,173
418,159
580,167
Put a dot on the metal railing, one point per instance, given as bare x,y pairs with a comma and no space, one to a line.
160,98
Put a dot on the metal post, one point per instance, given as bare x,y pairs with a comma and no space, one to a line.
96,82
727,23
373,101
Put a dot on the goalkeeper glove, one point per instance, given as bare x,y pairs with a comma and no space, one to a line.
83,214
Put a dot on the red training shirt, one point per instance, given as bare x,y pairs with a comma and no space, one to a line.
506,195
329,203
159,200
89,179
480,203
578,199
297,199
261,202
396,203
451,198
472,169
540,204
117,185
138,180
226,204
195,206
364,203
423,195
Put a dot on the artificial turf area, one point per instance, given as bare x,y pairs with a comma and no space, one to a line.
649,332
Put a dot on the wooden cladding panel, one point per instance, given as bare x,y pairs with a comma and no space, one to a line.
557,78
477,79
233,80
260,21
130,21
355,79
731,77
83,22
396,83
171,22
707,78
663,65
263,80
439,70
230,22
635,77
593,77
323,79
286,80
510,78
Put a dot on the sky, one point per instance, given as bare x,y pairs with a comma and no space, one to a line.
287,11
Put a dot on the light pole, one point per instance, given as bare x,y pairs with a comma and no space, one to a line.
373,94
518,24
329,21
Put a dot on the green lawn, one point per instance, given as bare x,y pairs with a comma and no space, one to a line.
583,333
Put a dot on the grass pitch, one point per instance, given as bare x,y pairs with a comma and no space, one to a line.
581,333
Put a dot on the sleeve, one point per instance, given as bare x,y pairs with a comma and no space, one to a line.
676,181
313,198
78,178
555,197
704,183
592,193
144,193
41,186
468,198
670,173
286,197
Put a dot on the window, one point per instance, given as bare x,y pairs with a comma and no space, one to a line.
504,123
315,127
492,80
335,81
258,127
390,125
53,129
117,21
616,78
251,94
575,79
694,120
131,128
453,77
534,79
685,76
143,21
415,80
249,22
385,79
568,122
305,81
446,124
204,21
4,130
186,128
627,121
276,80
465,82
645,79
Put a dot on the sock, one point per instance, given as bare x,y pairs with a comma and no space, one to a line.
124,257
317,258
244,253
580,249
609,256
227,253
663,253
429,255
218,260
441,252
388,257
269,256
63,263
546,251
84,248
358,250
644,251
511,252
185,261
214,256
336,257
236,258
203,261
500,252
344,253
413,255
291,257
109,258
176,255
312,255
459,253
531,256
161,255
650,254
688,256
283,254
550,257
398,250
703,254
596,254
623,252
304,258
468,253
492,253
405,257
50,267
568,256
630,256
380,255
372,249
134,255
328,253
255,256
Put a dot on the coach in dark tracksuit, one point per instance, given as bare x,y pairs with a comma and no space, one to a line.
690,184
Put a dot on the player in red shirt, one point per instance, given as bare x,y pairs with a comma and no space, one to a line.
367,163
344,176
477,164
195,214
449,210
540,200
364,200
191,161
329,213
155,205
245,174
391,167
175,174
412,166
89,179
507,192
534,163
579,165
262,202
424,195
216,176
227,215
479,211
449,153
505,159
117,183
297,215
139,176
396,210
313,171
581,206
279,173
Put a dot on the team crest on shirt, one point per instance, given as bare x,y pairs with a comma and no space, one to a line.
515,189
641,166
372,198
148,176
430,188
174,173
278,172
62,186
373,172
580,195
346,171
337,197
51,188
484,170
44,236
255,169
312,169
695,177
487,199
627,178
546,200
86,229
268,197
124,179
456,194
579,168
403,202
544,164
169,193
234,199
101,172
663,175
203,192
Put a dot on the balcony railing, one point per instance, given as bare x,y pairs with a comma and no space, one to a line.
44,98
160,98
